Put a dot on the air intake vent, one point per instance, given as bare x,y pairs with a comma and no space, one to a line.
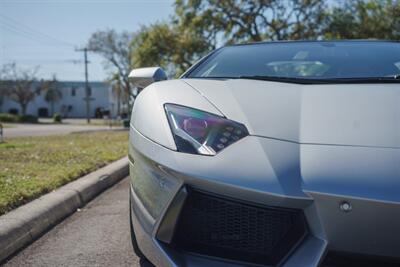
335,259
234,230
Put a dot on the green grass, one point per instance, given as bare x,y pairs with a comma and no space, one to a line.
7,125
33,166
101,122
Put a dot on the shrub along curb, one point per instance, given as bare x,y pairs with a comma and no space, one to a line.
6,117
23,225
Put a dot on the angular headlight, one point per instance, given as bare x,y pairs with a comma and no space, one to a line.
199,132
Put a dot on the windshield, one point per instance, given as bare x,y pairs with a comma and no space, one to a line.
307,60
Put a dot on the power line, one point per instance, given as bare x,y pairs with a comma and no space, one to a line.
40,53
32,31
19,32
14,44
48,61
29,33
91,1
10,27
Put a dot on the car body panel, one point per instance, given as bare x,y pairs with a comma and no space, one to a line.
148,112
363,172
291,183
341,114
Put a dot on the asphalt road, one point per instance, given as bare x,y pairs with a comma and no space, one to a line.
97,235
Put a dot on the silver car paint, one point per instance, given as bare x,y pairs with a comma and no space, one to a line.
148,113
213,178
293,158
341,114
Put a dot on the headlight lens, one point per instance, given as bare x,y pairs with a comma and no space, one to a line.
200,132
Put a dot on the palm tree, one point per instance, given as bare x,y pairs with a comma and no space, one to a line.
52,91
117,90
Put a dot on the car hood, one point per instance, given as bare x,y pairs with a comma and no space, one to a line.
334,114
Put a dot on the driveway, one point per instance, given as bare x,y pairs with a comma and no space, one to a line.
97,235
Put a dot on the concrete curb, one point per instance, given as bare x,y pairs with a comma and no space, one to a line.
23,225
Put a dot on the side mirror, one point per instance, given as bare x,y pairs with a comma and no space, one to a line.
143,77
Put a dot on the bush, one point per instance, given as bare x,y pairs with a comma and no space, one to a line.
126,123
28,119
57,118
6,117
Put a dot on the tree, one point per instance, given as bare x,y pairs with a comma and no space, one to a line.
362,19
199,26
117,90
52,92
171,47
4,83
248,20
2,94
21,87
115,48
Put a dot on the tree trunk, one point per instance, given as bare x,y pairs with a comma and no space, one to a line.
23,109
52,108
119,103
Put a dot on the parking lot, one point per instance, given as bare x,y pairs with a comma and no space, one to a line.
96,235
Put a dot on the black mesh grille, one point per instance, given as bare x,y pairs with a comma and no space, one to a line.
335,259
233,230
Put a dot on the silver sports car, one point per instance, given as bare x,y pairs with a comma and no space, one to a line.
270,154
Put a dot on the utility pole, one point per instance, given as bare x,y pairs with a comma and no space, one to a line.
87,89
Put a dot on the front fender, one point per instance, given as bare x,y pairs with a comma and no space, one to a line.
148,115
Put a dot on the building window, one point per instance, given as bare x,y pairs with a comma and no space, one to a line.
43,112
73,91
13,111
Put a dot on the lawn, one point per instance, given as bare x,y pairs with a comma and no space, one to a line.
7,125
32,166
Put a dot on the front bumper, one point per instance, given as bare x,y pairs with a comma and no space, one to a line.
316,179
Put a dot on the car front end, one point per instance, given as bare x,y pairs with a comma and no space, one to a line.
280,174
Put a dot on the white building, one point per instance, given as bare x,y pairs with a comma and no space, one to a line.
72,103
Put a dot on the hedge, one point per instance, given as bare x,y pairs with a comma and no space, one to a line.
6,117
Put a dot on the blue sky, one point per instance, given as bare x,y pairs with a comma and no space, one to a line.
45,32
